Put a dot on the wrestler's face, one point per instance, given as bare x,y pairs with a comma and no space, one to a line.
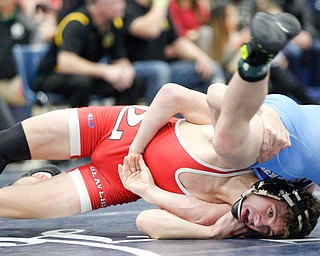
263,214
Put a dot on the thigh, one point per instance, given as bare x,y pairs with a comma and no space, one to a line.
54,197
48,135
99,187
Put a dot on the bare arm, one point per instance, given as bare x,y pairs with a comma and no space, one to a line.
150,25
161,224
136,177
184,48
120,73
172,99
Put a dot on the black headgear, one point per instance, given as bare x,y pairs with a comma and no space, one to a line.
279,190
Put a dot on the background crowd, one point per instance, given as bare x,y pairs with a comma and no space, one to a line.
127,49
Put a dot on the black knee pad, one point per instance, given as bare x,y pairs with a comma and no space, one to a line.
13,146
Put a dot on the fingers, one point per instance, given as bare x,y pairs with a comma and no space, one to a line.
122,174
273,143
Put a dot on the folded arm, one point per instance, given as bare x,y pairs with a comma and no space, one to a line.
161,224
172,99
136,177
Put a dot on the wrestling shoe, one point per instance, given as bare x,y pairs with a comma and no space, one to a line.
47,170
43,173
269,34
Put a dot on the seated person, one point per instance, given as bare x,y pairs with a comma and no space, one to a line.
73,67
160,55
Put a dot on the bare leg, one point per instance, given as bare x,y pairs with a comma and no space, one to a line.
54,197
238,136
239,132
48,135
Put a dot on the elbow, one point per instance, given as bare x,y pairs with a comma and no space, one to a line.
145,224
152,34
222,144
62,62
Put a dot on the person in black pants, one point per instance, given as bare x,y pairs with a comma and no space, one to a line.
73,66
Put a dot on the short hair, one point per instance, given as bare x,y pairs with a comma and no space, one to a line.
312,204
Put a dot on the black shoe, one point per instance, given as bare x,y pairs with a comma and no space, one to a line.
269,34
51,169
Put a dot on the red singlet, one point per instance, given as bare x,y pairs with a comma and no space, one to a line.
106,133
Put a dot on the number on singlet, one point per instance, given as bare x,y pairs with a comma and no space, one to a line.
132,120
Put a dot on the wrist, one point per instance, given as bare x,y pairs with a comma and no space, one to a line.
151,194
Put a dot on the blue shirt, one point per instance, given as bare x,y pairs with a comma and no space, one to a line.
302,158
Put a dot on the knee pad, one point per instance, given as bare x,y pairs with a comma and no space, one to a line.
13,146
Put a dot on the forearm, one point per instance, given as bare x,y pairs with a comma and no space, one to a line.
187,50
150,25
172,99
71,63
160,224
185,206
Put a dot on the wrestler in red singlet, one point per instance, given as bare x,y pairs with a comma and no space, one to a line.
106,134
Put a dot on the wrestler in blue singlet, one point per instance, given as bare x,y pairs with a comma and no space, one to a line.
302,159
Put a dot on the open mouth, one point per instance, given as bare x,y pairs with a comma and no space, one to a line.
245,216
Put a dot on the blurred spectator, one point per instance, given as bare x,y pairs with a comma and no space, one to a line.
303,52
246,8
45,20
192,18
159,55
227,38
73,66
69,6
315,10
13,30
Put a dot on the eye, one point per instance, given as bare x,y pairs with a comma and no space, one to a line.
270,213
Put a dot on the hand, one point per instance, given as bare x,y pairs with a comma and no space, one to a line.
275,137
205,67
120,76
135,175
228,226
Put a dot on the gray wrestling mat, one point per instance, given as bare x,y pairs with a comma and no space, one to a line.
112,231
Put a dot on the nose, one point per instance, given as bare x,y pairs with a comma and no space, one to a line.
258,221
260,224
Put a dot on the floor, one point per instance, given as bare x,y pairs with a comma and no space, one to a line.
112,231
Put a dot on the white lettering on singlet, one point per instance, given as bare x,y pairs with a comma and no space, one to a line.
132,119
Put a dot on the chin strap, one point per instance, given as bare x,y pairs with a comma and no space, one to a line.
237,206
